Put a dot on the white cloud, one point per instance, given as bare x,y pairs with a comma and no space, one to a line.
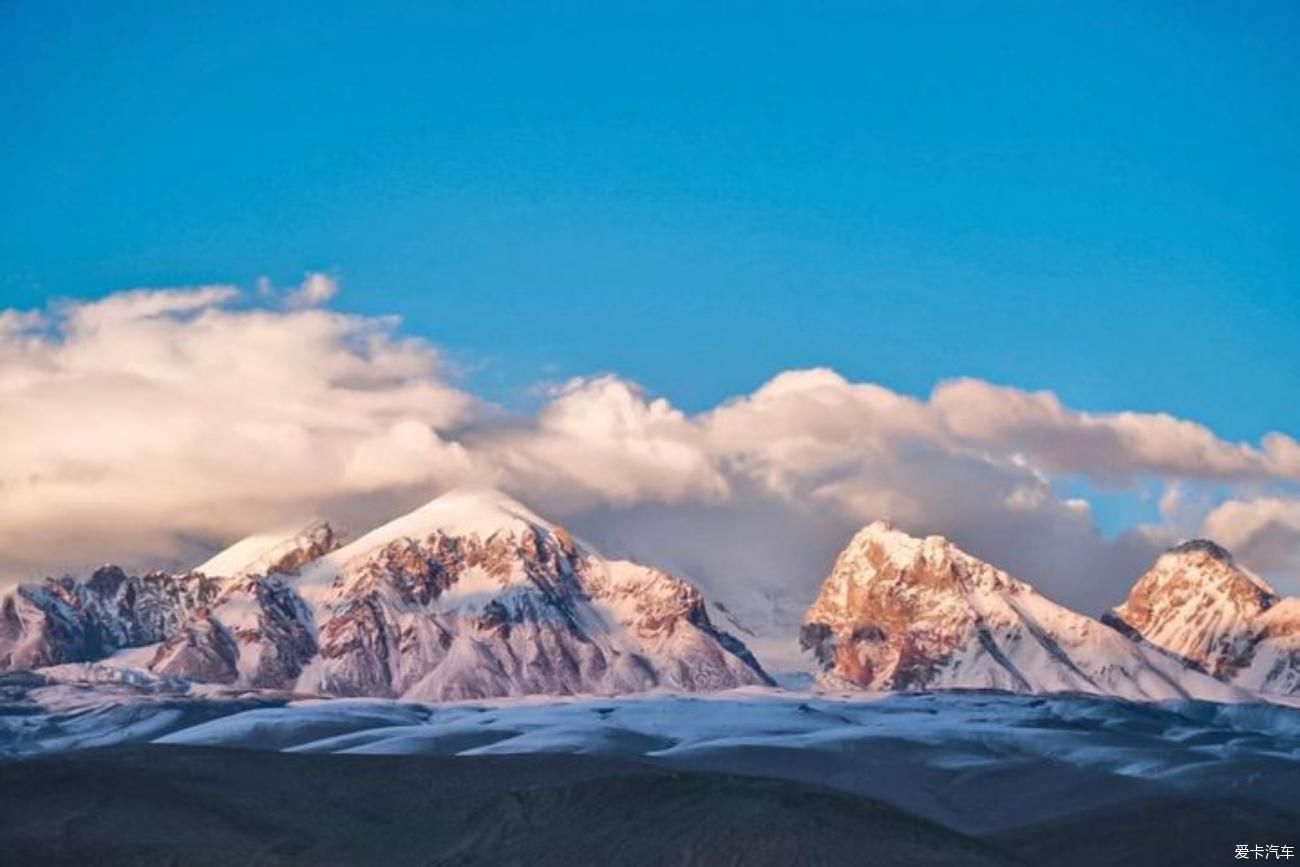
1263,532
140,304
150,424
1104,446
147,419
601,441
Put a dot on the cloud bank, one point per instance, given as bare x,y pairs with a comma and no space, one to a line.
152,425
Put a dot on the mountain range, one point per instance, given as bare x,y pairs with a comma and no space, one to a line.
470,596
475,596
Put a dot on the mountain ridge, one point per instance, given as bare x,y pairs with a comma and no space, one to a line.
471,595
474,595
904,613
1198,605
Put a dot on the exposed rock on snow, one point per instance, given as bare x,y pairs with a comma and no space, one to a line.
201,650
284,552
64,620
69,621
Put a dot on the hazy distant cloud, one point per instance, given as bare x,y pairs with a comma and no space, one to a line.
153,423
1264,532
1104,446
316,289
19,321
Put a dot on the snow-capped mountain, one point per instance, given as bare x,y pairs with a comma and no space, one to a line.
1197,604
63,620
903,613
258,631
473,595
470,596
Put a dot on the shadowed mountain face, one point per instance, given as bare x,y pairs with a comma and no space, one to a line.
191,806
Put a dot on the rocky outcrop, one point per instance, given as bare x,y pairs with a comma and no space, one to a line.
283,552
272,629
201,650
44,625
64,620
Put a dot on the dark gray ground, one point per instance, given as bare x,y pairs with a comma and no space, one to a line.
756,779
1158,831
182,806
198,806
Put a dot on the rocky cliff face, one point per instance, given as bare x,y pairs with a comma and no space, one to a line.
202,649
903,613
1198,605
258,633
69,621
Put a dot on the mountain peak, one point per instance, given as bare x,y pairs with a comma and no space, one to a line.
898,547
476,509
1202,549
1206,564
286,550
473,594
1199,605
465,511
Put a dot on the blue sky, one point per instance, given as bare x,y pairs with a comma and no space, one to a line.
1099,199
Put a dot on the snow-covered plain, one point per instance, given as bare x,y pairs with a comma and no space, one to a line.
940,754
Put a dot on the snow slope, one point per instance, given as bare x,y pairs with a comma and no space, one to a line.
973,760
284,551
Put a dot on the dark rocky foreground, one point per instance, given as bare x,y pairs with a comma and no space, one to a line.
1156,831
196,806
157,805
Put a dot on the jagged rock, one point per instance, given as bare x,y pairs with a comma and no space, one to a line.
44,625
470,596
63,620
202,650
